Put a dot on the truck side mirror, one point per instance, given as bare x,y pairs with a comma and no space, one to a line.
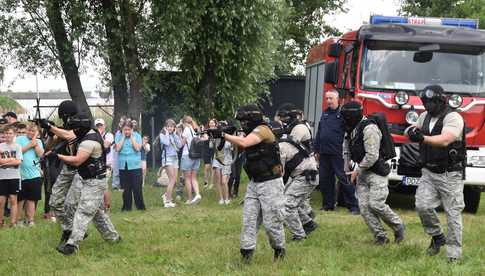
331,70
334,50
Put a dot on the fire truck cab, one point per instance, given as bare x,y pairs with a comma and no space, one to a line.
386,63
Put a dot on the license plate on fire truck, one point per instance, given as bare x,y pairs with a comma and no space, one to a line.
410,181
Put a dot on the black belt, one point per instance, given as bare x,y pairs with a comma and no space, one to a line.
439,169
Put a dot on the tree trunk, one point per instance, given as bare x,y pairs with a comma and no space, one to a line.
132,61
116,62
66,55
207,91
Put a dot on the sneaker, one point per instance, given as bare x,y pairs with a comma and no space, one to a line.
30,224
53,219
164,198
436,243
227,201
178,198
169,205
188,202
20,224
381,240
221,201
196,199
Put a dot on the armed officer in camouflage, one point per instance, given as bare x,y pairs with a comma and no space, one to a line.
371,174
440,134
90,160
58,136
300,171
264,200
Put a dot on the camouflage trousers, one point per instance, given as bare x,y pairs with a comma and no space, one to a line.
59,193
86,200
372,192
297,192
446,189
263,203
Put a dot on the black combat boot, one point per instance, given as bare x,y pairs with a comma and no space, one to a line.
399,234
381,240
246,254
310,227
279,254
436,243
296,238
65,236
68,249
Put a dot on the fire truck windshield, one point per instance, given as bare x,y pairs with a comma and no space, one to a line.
392,65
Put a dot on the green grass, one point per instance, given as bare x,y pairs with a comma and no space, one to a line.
204,240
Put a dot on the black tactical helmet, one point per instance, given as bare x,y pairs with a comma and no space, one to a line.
352,114
67,109
434,99
288,113
250,117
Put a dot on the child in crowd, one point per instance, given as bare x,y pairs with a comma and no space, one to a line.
10,160
145,148
31,190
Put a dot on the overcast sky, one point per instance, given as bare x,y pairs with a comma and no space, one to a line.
358,11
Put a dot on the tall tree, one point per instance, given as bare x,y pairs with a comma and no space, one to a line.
46,37
227,49
114,49
65,54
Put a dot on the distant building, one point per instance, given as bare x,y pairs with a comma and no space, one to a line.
28,101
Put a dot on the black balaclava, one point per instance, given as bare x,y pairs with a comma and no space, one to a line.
67,109
80,124
352,114
250,117
434,99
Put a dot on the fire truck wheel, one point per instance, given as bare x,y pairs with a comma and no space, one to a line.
472,199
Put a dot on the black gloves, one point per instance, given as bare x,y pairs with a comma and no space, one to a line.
415,135
215,132
45,124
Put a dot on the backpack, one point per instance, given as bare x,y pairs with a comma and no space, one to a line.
195,148
387,150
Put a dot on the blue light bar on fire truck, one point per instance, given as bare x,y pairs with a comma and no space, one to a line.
457,22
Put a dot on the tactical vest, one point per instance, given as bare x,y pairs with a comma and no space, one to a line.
93,167
308,144
304,151
262,161
442,159
357,150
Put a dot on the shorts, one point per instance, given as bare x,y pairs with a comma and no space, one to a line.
216,164
31,189
171,161
9,187
226,170
188,164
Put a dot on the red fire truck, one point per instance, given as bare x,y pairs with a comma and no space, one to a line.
386,63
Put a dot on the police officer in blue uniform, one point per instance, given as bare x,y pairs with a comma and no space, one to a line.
329,151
